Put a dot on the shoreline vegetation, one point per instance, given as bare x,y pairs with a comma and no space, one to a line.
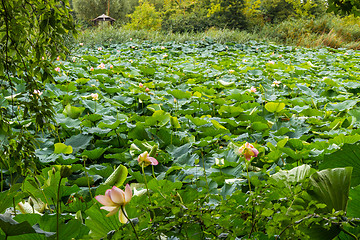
328,31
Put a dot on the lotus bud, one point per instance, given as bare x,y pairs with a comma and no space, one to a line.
65,171
153,150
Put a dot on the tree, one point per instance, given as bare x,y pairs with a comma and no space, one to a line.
145,16
344,7
32,35
185,16
228,13
89,9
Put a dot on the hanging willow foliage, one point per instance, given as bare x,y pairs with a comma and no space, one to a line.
32,36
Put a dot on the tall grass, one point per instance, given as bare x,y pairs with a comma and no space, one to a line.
326,31
109,34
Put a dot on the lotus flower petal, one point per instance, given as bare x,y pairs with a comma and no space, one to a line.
117,196
152,160
112,212
104,200
128,193
122,217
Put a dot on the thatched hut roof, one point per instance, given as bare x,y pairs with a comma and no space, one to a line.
103,18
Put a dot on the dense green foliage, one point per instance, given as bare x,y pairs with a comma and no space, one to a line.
326,31
193,101
345,7
87,10
290,22
198,15
174,120
145,16
32,35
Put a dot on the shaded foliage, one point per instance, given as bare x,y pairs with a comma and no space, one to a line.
32,34
344,7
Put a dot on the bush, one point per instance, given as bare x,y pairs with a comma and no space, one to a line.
145,16
276,11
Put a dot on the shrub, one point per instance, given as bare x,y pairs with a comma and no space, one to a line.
145,16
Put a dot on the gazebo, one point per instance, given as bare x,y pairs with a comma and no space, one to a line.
103,18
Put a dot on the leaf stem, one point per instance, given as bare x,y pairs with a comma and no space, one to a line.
118,137
58,209
348,233
87,177
147,188
247,171
203,162
153,172
14,206
152,213
132,225
251,199
2,179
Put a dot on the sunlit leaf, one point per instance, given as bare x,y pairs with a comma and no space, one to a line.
274,107
62,148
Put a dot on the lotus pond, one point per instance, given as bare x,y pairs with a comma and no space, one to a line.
192,107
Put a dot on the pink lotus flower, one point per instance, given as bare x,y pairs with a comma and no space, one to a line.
252,90
111,66
95,96
101,66
57,69
91,69
147,89
99,48
114,200
248,151
140,85
276,83
81,44
37,92
58,58
145,160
